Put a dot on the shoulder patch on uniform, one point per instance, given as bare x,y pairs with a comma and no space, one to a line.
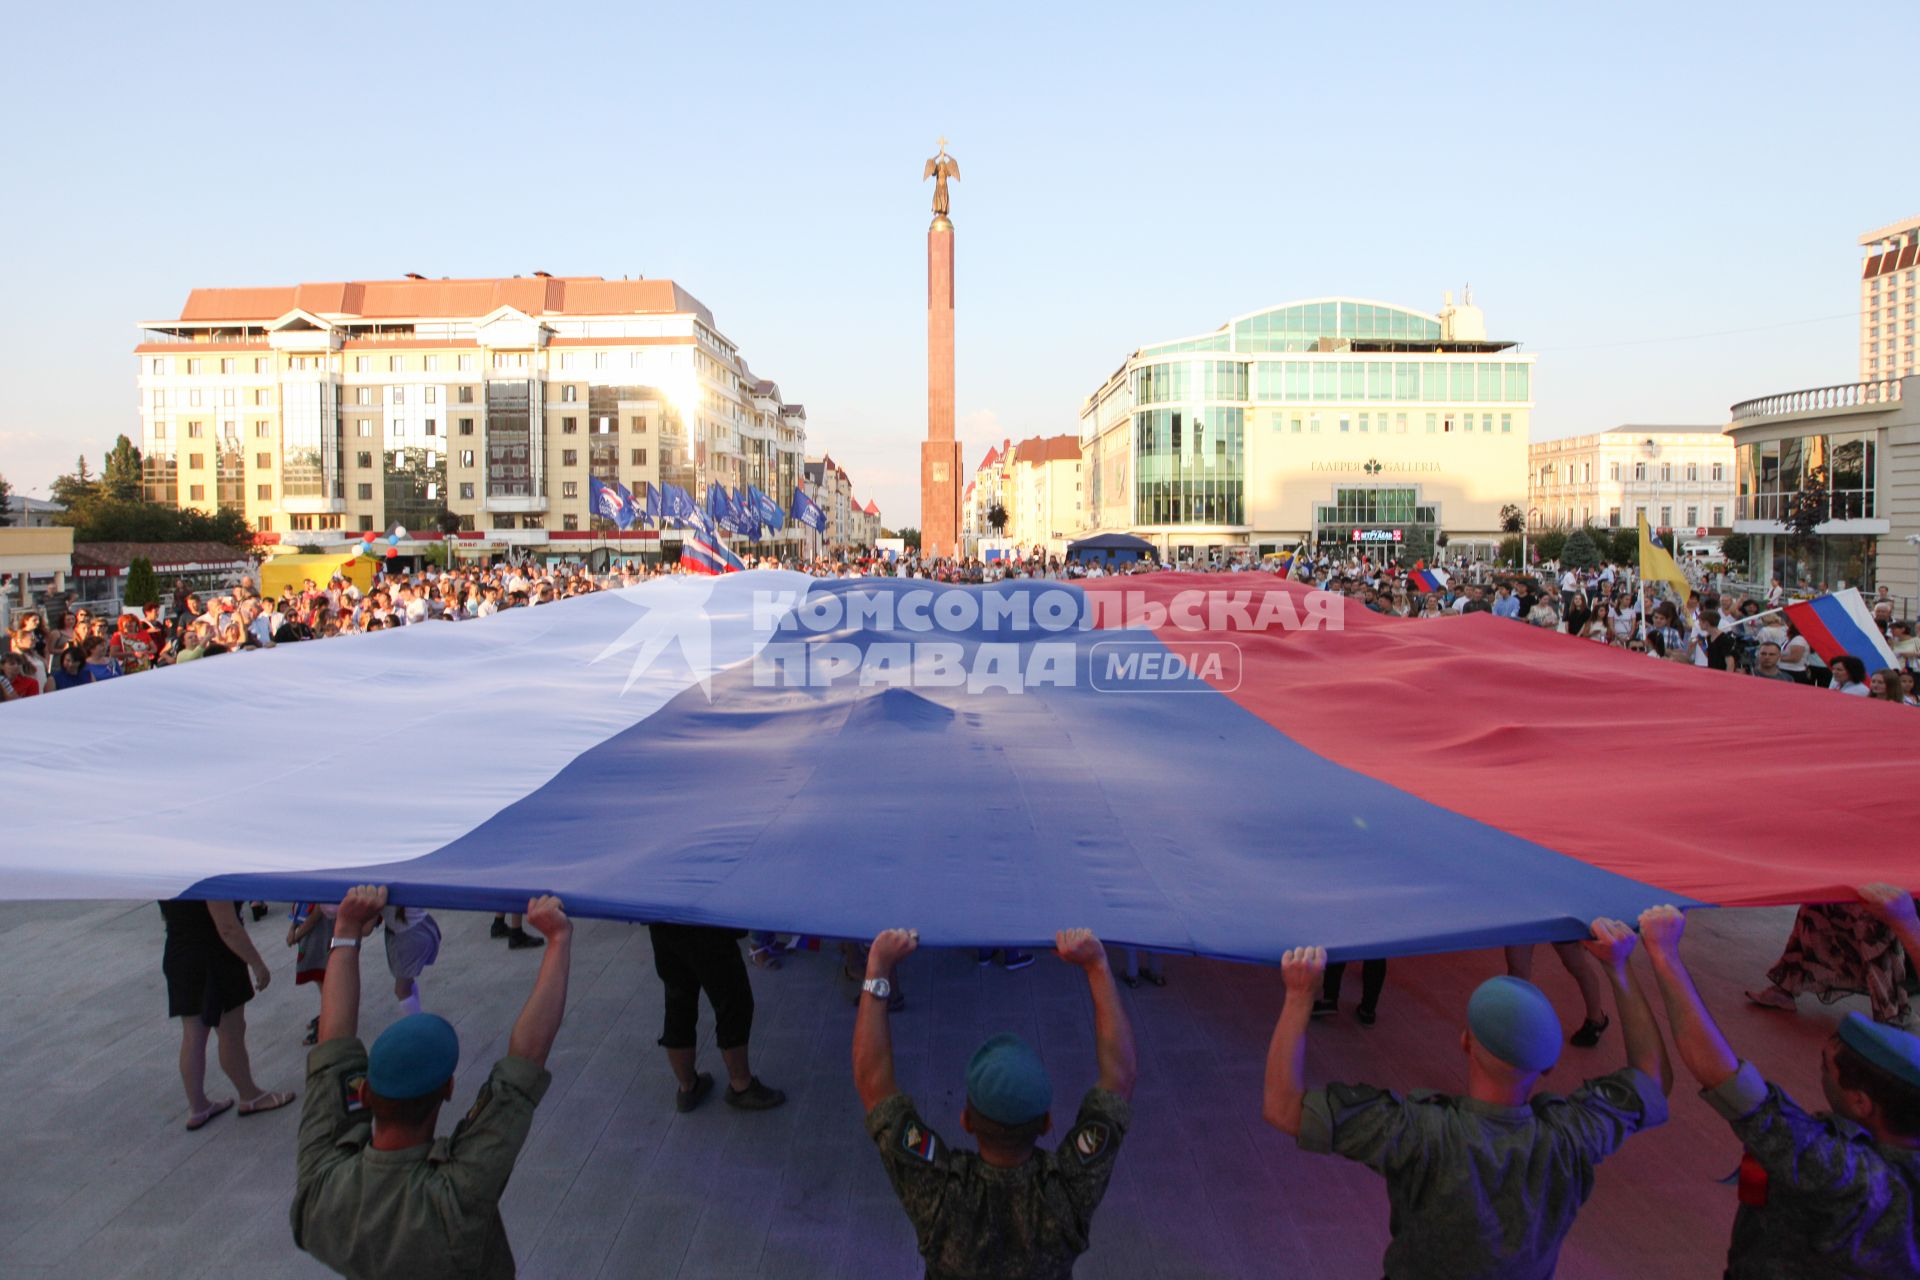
1091,1140
919,1141
479,1107
351,1085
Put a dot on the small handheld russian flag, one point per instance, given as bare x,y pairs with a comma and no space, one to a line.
1840,623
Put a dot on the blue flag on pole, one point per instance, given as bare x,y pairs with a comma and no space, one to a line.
628,511
808,512
609,501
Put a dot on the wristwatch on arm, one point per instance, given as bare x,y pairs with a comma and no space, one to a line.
878,987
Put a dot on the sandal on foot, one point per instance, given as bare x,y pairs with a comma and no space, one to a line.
198,1119
1771,998
755,1097
1590,1032
264,1103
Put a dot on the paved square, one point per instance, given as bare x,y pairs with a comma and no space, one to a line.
100,1179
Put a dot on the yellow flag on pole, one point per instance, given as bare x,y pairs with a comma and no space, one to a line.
1657,563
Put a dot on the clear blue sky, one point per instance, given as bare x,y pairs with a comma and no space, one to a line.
1131,173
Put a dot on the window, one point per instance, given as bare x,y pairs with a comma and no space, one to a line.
261,396
363,395
1486,424
364,492
363,427
1666,472
263,460
1719,517
197,492
1613,517
158,366
396,364
466,490
1666,517
264,492
363,364
640,424
196,430
599,359
569,393
226,364
1639,471
569,457
466,460
1433,423
430,364
1293,426
193,368
466,366
569,488
399,395
1345,424
1506,429
1693,517
466,426
195,461
570,522
640,455
366,524
1363,423
262,429
465,395
300,523
363,458
330,521
1718,474
1399,424
264,524
1693,473
226,395
431,395
193,398
1613,471
569,425
260,365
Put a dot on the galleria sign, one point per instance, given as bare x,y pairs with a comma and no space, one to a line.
1373,467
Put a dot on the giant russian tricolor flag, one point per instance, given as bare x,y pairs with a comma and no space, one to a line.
1840,623
1196,764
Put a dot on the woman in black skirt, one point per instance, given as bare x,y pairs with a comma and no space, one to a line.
207,961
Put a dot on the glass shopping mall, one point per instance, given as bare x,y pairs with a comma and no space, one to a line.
1335,422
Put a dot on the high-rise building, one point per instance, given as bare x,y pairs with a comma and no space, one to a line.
1888,291
324,410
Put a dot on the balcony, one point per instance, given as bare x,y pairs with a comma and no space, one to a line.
1845,396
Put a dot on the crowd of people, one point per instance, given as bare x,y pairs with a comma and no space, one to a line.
1485,1184
1722,631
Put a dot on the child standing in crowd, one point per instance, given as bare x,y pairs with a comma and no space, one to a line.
413,943
311,929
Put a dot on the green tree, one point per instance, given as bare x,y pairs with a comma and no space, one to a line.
1550,543
120,479
141,589
76,492
1736,549
1511,519
911,537
1580,551
1510,549
1812,505
6,503
105,520
997,517
1624,545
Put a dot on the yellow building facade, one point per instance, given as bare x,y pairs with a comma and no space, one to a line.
322,411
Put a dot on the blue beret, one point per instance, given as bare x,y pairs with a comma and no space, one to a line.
413,1057
1007,1082
1515,1022
1893,1051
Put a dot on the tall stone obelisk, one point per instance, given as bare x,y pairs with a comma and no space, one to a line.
940,460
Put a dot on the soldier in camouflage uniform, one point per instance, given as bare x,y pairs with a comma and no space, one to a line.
1011,1211
1828,1194
1486,1185
375,1193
